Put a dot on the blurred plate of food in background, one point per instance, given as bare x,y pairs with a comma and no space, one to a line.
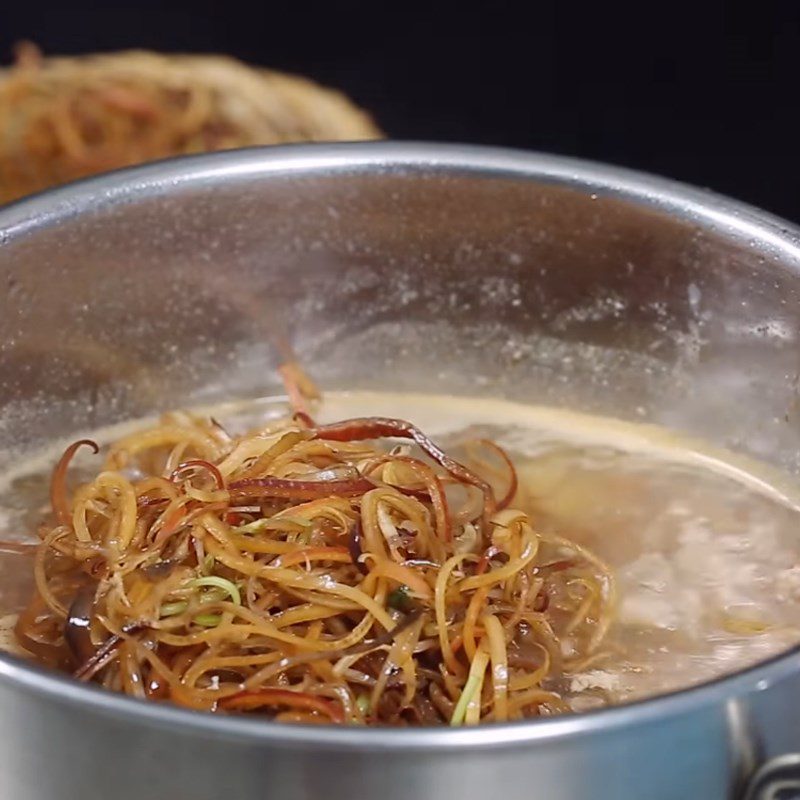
63,118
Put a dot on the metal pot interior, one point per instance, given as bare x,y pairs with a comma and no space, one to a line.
395,267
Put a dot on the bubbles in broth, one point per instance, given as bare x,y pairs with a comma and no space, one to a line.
704,547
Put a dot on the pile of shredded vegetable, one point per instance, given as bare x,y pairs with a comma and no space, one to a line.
339,573
64,118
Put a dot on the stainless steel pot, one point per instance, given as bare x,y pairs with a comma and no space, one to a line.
450,268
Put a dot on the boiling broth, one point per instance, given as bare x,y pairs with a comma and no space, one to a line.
704,545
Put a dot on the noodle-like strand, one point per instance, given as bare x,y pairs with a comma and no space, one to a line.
302,573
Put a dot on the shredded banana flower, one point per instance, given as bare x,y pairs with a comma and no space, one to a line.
312,573
68,117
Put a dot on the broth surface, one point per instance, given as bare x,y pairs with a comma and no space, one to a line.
704,544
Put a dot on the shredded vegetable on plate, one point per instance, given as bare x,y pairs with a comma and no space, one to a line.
67,117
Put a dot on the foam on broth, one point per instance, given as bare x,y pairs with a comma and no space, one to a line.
704,544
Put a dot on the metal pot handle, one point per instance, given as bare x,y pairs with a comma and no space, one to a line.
777,779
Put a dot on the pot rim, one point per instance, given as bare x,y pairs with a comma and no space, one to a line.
734,220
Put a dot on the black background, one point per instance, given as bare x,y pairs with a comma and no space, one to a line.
704,92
